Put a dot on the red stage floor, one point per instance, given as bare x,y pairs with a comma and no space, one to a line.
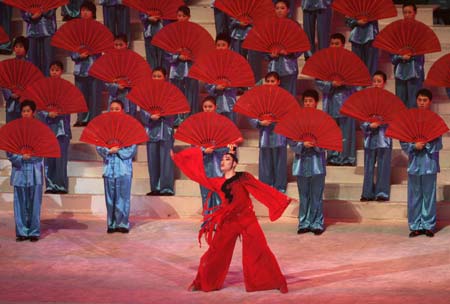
77,262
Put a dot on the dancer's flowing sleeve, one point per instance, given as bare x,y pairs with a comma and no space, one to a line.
273,199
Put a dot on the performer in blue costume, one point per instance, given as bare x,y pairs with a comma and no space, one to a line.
423,167
221,20
116,17
160,133
152,25
317,12
5,23
117,174
334,96
377,149
26,177
291,4
408,70
56,179
309,166
40,29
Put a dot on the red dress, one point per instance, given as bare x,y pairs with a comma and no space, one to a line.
235,217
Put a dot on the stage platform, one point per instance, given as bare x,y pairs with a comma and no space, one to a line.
352,262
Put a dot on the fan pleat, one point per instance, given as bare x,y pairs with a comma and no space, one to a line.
16,74
208,130
35,6
3,36
167,9
250,11
439,73
369,10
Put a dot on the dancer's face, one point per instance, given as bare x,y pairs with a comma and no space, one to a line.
409,13
227,163
55,71
423,102
209,106
157,75
115,107
309,102
27,112
281,10
378,82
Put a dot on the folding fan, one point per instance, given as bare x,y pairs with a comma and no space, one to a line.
223,67
36,6
368,10
185,38
373,105
124,67
3,36
277,34
246,11
29,136
17,74
266,102
439,73
83,35
56,94
208,129
161,8
417,125
308,124
114,129
336,63
407,37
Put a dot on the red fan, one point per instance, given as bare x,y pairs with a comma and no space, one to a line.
159,8
368,10
36,6
266,102
439,73
56,95
29,136
417,125
184,38
309,124
407,37
16,74
246,11
123,67
114,129
208,130
275,35
223,67
337,64
373,105
159,97
83,35
3,36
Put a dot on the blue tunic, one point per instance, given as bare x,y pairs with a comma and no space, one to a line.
154,54
225,100
287,67
121,94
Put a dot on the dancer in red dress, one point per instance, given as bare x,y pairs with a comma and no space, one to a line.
235,217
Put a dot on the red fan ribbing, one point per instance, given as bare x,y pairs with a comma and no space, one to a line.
56,95
124,67
114,129
275,35
184,38
246,11
3,36
208,130
29,136
373,105
83,35
417,125
337,64
163,9
407,37
16,74
311,125
36,6
223,67
159,97
439,73
266,102
368,10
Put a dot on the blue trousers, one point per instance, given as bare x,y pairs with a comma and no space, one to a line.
368,54
214,199
154,55
422,201
255,59
191,89
289,83
323,20
56,168
40,53
118,196
27,210
273,167
310,189
12,109
382,186
348,154
160,166
221,21
92,92
231,115
406,90
117,19
5,23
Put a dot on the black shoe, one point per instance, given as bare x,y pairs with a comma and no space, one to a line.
110,230
50,191
34,239
21,238
166,194
382,199
78,124
317,231
153,193
5,52
123,230
303,230
429,233
364,199
61,192
415,233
